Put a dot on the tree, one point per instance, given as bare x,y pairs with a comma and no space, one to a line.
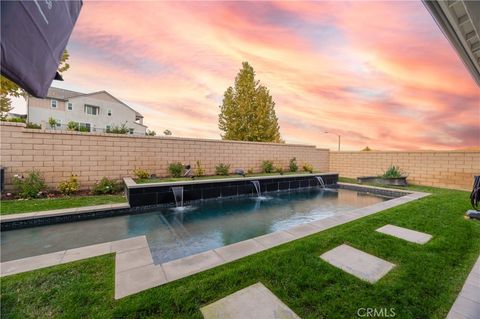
366,149
9,89
248,110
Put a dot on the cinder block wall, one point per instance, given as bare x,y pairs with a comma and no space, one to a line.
58,154
449,169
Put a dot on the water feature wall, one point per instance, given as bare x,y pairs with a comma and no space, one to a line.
161,193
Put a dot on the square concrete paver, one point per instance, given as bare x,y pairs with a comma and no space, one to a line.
31,263
255,301
138,279
275,239
86,252
405,234
133,258
358,263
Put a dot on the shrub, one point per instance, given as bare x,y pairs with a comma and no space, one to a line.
15,120
250,171
279,170
293,165
83,129
199,171
52,122
175,169
267,167
69,186
307,168
31,186
393,172
150,133
222,169
115,129
141,173
72,126
106,186
33,125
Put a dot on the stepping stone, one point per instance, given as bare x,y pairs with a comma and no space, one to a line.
405,233
358,263
255,301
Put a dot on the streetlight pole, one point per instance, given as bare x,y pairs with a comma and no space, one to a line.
339,138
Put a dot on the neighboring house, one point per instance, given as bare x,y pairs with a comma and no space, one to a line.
94,112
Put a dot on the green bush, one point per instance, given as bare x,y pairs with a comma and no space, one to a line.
199,171
15,120
52,122
72,126
115,129
106,186
393,172
33,125
250,171
175,169
31,186
150,133
307,168
267,167
69,186
141,173
83,129
293,167
279,170
222,169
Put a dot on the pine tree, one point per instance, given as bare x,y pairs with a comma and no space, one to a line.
248,110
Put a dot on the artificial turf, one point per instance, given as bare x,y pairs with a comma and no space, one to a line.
424,284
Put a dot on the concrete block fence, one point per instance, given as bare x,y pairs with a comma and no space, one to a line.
58,154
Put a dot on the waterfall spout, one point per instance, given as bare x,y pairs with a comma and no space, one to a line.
320,181
178,195
257,188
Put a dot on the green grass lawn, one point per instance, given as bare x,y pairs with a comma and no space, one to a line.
424,284
181,179
35,205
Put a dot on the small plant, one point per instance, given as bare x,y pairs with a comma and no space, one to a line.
31,186
250,171
83,129
15,120
307,168
267,167
52,122
106,186
150,133
167,132
222,169
393,172
293,167
175,169
69,186
366,149
199,171
33,125
72,126
141,173
279,170
116,129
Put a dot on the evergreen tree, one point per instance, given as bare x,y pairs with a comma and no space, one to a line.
248,110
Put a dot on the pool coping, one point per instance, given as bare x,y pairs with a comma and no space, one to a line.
135,270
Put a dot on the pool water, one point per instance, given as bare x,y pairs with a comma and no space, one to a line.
174,233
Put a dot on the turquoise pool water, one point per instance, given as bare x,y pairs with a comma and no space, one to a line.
174,233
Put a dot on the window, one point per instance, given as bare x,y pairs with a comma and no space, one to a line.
109,113
53,104
108,128
92,110
70,106
131,131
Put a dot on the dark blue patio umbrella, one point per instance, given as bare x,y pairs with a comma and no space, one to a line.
34,35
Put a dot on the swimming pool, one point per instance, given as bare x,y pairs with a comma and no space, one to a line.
173,233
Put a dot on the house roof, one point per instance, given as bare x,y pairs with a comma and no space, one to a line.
62,94
459,20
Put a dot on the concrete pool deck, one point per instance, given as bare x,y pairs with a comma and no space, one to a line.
135,270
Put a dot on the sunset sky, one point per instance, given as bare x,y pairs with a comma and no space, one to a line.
378,73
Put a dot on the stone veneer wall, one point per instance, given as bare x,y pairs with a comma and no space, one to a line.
58,154
449,169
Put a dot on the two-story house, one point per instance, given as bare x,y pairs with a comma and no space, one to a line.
95,112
